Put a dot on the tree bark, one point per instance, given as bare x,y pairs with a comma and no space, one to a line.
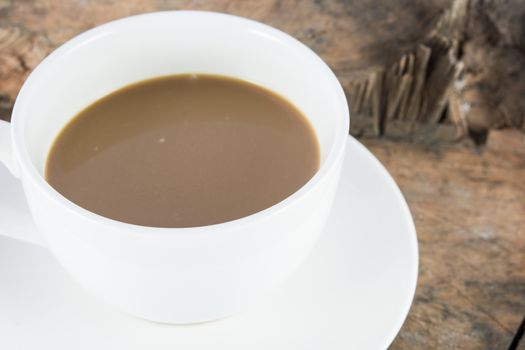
464,77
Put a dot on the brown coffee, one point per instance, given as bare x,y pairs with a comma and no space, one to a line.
183,150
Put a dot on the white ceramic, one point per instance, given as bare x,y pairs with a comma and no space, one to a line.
175,275
352,292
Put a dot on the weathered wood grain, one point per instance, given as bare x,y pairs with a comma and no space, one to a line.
469,205
469,209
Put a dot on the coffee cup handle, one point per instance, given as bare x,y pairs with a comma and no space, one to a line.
15,219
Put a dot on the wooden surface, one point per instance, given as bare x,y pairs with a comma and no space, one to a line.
469,210
468,204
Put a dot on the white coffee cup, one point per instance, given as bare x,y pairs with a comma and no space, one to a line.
174,275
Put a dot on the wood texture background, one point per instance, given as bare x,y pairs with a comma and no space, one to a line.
468,203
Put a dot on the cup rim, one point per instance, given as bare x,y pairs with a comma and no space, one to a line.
29,171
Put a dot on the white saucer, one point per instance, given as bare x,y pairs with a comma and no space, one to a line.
353,292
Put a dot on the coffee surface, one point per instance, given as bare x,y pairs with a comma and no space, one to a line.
183,150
